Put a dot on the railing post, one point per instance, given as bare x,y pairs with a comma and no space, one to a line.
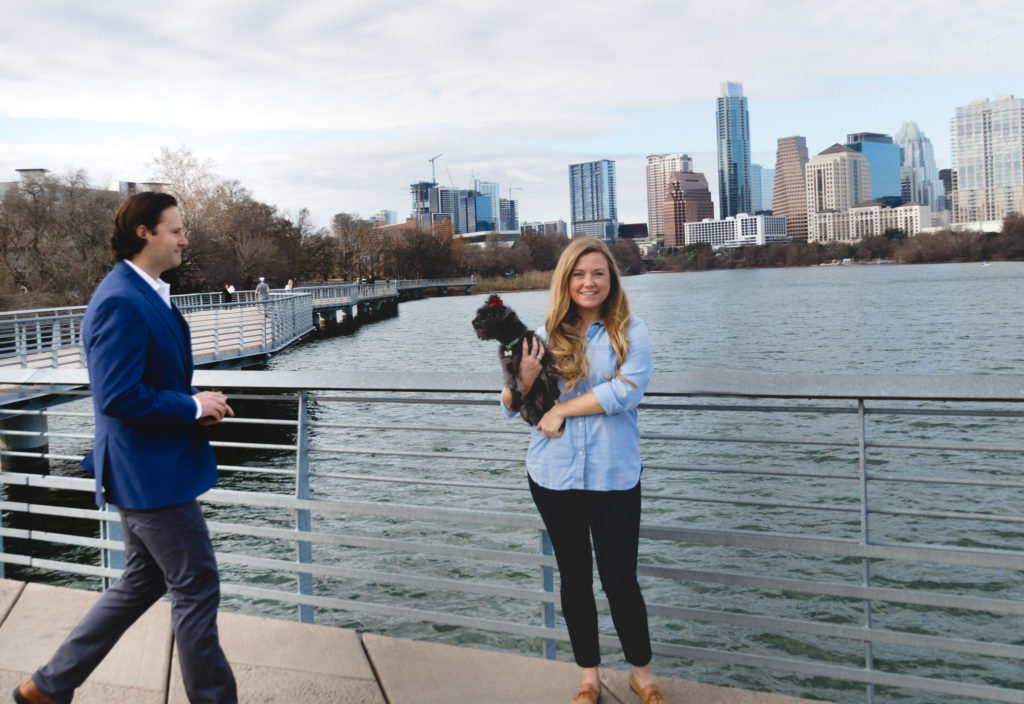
869,662
22,343
110,558
303,522
548,574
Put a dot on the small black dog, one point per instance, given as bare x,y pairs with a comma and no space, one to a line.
495,321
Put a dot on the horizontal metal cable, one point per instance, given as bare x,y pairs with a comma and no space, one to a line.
386,544
873,592
454,585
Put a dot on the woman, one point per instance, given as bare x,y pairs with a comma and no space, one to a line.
584,457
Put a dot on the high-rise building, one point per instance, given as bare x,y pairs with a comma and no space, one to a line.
421,203
509,215
884,158
594,206
837,179
946,177
733,126
489,188
762,183
918,176
659,166
687,199
988,160
789,199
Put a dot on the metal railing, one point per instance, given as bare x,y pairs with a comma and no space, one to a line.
220,331
851,538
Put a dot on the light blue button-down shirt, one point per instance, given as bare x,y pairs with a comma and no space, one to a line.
599,452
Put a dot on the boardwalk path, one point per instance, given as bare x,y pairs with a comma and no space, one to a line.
286,661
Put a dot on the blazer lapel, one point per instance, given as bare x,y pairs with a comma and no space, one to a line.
171,317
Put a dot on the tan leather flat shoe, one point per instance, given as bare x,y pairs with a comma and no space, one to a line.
586,695
651,694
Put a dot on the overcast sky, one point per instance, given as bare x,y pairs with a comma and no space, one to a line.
338,106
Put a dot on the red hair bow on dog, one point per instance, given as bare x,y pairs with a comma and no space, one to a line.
495,301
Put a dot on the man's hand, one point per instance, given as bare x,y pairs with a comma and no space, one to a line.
215,407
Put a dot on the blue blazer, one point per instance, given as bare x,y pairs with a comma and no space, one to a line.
150,452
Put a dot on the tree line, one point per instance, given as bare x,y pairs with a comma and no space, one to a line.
893,246
55,230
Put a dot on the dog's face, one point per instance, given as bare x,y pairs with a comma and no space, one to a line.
492,318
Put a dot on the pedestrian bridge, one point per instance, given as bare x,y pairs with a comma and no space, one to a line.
847,538
244,332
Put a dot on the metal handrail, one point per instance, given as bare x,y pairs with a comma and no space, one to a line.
220,331
747,557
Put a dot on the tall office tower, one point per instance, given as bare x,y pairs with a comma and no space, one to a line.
509,214
884,158
421,203
946,177
837,179
918,176
659,166
489,188
733,123
789,196
594,206
762,182
444,205
687,199
988,159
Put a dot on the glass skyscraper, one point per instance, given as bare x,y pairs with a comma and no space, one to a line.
733,124
884,158
918,175
988,158
594,204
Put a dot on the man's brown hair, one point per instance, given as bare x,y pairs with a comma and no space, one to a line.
140,209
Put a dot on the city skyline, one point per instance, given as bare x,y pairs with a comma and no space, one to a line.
339,109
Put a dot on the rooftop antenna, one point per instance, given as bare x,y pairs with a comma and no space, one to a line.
433,176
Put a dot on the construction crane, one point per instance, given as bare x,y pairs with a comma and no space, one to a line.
433,176
518,188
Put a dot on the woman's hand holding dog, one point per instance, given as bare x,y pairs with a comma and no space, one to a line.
529,365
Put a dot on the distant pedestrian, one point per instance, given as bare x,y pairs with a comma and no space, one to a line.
226,293
288,286
263,295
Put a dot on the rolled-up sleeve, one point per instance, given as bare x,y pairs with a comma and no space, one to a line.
616,395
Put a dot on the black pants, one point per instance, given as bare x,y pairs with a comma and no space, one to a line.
613,519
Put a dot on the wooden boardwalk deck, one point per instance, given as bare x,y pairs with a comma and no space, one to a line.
284,662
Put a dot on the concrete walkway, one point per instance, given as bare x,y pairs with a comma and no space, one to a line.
284,662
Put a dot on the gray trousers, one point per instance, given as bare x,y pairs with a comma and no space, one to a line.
165,549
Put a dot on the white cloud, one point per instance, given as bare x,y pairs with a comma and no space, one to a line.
338,105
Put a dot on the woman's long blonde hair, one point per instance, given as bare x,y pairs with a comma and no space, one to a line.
566,342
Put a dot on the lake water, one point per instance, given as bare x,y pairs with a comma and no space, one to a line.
881,319
884,319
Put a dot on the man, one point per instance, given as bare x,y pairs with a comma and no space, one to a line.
151,459
263,294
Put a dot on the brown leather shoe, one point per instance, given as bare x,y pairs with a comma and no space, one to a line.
651,694
586,695
28,693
